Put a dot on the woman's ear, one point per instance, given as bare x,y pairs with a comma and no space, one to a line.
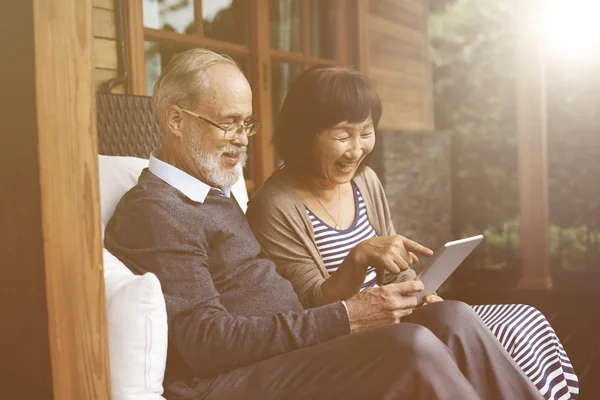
174,120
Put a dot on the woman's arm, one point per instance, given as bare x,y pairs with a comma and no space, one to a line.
347,280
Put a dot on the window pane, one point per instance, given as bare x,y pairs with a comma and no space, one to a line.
170,15
158,56
322,29
226,20
282,76
284,22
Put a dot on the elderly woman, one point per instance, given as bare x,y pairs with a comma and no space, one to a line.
323,218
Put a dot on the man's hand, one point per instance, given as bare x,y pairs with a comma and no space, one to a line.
388,253
382,305
432,298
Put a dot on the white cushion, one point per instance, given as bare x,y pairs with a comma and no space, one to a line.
119,174
137,332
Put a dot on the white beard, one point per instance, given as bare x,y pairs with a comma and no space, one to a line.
210,164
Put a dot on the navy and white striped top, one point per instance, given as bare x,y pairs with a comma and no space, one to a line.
334,245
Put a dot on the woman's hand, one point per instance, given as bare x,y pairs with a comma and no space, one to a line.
388,253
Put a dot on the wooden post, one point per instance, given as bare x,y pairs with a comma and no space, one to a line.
362,25
134,39
532,141
264,164
53,338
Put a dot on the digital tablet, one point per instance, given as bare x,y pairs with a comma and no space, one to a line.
443,263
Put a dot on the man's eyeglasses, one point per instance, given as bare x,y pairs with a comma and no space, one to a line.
230,132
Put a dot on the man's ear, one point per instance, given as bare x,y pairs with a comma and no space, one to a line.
174,120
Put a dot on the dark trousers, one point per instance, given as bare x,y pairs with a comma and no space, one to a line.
441,351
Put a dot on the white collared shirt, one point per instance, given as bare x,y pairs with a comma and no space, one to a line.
191,187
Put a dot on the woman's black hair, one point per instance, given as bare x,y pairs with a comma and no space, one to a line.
320,98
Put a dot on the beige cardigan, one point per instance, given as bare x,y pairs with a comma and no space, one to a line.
280,223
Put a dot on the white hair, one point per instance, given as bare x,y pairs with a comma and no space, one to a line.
183,81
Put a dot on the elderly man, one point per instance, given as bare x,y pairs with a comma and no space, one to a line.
236,328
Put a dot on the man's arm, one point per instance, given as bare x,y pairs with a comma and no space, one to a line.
149,237
212,341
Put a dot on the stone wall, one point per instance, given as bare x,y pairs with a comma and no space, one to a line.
414,168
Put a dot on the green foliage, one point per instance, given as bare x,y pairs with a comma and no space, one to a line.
472,54
569,247
475,99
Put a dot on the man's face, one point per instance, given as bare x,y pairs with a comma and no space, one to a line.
219,161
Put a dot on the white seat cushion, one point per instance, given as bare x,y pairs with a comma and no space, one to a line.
117,176
137,332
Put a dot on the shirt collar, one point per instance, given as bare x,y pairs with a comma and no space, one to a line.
192,188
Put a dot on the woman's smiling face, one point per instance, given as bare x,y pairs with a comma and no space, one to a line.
339,150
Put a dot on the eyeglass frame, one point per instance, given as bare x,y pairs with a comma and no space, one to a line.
237,129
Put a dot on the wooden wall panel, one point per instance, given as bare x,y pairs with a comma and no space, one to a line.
104,28
382,43
397,11
408,117
106,4
397,30
399,62
400,78
103,24
102,76
105,54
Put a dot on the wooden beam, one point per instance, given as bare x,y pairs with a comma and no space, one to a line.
297,58
191,41
305,27
362,26
263,156
429,113
532,141
342,32
198,18
134,37
54,341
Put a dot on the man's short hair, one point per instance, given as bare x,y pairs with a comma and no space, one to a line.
320,98
184,82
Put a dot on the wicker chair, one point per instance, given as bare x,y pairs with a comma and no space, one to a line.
126,125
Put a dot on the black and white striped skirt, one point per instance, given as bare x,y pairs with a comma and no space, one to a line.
528,337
